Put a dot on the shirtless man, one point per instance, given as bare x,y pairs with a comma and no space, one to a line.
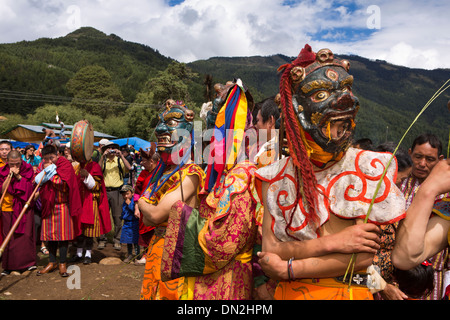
315,199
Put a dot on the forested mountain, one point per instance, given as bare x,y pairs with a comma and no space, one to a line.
391,96
46,65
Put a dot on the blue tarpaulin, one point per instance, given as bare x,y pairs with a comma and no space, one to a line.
19,144
136,142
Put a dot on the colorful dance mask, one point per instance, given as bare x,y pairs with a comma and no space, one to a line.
324,102
221,95
174,128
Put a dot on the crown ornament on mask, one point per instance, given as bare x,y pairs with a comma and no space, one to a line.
308,61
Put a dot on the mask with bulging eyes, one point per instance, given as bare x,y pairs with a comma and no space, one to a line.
173,131
324,102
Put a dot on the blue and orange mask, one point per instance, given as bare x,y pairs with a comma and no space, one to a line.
174,131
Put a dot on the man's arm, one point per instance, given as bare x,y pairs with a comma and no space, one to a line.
332,265
153,215
419,237
125,161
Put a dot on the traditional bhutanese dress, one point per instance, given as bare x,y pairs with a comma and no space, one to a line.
95,218
442,209
2,164
93,230
58,225
145,232
212,246
152,286
440,260
347,188
61,204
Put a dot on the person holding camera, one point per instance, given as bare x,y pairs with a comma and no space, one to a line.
114,167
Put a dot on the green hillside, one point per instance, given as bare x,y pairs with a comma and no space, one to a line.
45,65
390,96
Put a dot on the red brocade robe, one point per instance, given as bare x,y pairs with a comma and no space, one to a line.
95,217
141,183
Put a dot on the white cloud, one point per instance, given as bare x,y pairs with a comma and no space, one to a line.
412,33
7,14
403,53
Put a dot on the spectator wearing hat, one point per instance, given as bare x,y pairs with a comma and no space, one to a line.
114,166
97,153
130,228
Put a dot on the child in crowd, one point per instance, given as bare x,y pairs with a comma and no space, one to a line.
416,282
130,228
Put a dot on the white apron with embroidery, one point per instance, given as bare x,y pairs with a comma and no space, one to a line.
347,189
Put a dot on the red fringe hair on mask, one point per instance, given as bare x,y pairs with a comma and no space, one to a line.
296,148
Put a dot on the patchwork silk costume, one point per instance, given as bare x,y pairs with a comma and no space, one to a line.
212,246
163,181
323,176
152,286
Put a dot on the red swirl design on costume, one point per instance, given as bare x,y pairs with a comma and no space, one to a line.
363,177
285,209
286,194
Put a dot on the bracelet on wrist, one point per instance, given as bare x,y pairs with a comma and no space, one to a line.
290,270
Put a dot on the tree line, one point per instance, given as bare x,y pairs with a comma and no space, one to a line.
97,98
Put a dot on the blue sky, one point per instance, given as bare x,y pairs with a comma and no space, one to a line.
174,2
404,32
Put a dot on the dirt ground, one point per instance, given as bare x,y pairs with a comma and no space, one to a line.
96,281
